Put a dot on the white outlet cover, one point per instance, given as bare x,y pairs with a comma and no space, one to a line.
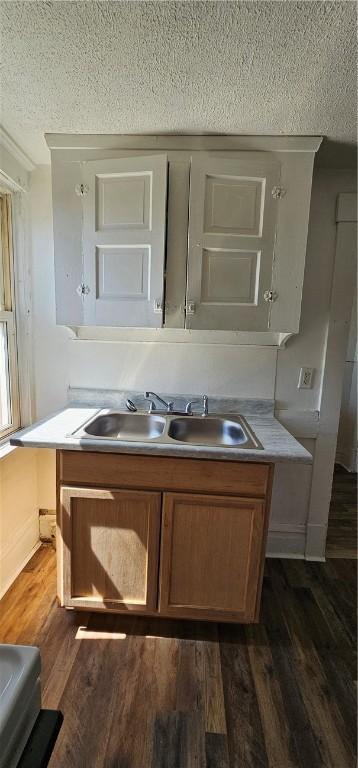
305,378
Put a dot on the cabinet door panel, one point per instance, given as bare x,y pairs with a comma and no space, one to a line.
211,556
109,548
232,223
124,240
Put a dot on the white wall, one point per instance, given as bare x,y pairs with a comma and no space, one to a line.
19,524
242,371
307,349
19,530
50,342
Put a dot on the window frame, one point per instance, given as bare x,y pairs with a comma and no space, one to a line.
8,309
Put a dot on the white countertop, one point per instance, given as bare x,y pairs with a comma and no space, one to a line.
56,432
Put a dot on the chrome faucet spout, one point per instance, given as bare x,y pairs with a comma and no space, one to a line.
152,406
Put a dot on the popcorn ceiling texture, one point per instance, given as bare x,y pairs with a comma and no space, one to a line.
147,67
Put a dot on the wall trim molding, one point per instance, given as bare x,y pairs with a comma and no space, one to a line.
7,184
316,542
23,302
15,150
19,535
168,335
286,541
348,460
18,570
19,550
198,141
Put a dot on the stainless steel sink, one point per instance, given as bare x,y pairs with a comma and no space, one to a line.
226,431
126,426
207,431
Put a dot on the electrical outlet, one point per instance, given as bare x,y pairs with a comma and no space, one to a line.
305,378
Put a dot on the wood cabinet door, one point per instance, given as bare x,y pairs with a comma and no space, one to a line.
211,556
232,225
124,225
108,549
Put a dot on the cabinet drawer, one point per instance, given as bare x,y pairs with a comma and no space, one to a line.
163,473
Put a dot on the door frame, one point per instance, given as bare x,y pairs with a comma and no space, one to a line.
343,282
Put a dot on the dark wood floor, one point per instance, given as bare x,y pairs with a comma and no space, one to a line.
139,693
342,524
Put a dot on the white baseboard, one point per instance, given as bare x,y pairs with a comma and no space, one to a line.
24,542
316,542
348,460
18,570
286,541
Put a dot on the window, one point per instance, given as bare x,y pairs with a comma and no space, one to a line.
9,394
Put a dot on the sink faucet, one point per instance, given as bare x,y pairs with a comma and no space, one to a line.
205,403
168,407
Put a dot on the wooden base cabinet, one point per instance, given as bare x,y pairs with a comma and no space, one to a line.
210,556
161,550
109,549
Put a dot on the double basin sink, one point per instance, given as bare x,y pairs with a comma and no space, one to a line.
229,430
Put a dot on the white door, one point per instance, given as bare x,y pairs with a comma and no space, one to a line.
124,211
232,223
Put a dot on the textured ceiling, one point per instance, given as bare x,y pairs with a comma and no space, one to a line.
211,67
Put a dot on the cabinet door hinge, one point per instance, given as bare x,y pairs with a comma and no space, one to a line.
81,190
190,308
278,192
83,289
270,296
158,306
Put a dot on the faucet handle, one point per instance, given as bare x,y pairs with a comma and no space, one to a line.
204,401
152,405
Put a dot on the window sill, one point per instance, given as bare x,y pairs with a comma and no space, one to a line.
5,447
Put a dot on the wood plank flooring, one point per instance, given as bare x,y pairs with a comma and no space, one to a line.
151,693
342,524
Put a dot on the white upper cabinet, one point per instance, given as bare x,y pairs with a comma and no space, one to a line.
197,233
232,227
124,224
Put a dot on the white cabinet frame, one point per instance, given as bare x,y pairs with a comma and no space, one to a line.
296,157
